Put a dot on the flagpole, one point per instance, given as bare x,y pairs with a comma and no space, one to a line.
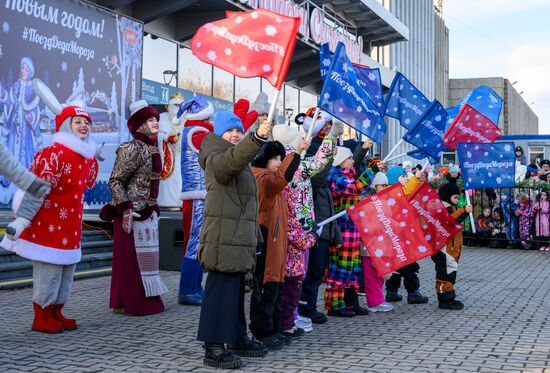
472,222
274,100
393,150
310,131
425,165
332,218
397,156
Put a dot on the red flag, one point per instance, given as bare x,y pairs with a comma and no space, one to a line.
436,223
249,44
387,225
470,126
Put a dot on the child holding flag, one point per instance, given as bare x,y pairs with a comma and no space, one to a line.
341,297
446,260
409,272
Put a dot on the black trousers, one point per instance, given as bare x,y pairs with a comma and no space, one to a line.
314,276
265,316
410,278
222,317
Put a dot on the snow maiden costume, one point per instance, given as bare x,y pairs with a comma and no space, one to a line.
136,285
52,240
197,113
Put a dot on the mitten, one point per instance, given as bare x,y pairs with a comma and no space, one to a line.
16,227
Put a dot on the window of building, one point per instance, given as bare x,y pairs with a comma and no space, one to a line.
153,66
536,154
194,75
247,88
307,100
448,158
291,103
223,84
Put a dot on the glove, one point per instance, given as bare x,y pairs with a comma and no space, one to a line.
336,130
128,220
16,227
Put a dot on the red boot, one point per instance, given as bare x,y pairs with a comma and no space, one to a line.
44,321
68,324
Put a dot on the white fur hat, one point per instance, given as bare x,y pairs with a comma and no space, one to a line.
261,104
342,153
322,119
137,105
407,164
287,135
379,178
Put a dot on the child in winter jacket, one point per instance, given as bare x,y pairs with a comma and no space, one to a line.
446,260
542,221
341,298
524,213
410,271
498,230
373,283
484,227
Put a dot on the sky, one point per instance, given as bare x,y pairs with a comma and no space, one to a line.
507,38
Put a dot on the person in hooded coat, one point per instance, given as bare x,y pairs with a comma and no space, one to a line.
446,260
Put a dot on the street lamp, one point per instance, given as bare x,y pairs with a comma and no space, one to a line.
288,114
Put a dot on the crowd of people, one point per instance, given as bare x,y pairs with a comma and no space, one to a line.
253,193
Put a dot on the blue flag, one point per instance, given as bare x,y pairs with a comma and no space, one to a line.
324,60
343,98
427,134
405,102
484,100
487,165
370,80
419,154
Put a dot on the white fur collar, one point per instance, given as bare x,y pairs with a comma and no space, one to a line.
85,149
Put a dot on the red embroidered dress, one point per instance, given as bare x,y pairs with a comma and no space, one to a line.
54,234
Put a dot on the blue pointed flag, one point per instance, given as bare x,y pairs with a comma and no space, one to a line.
343,98
324,60
484,100
419,154
370,80
487,165
405,102
427,134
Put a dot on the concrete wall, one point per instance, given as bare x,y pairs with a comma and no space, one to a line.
441,64
414,58
516,117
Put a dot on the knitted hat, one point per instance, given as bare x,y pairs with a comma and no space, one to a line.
454,169
196,108
287,135
261,104
269,151
140,113
64,118
545,162
226,121
446,191
306,119
407,164
394,173
444,170
379,179
519,149
342,153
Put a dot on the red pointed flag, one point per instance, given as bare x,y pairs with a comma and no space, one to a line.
387,225
257,43
436,223
470,126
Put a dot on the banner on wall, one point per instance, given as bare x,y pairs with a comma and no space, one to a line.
86,55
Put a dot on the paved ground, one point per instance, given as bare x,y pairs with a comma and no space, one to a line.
504,327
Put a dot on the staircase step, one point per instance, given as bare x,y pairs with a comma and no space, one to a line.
20,282
23,268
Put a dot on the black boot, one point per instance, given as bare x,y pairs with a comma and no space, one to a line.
451,304
342,312
415,297
351,298
393,296
216,356
246,347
